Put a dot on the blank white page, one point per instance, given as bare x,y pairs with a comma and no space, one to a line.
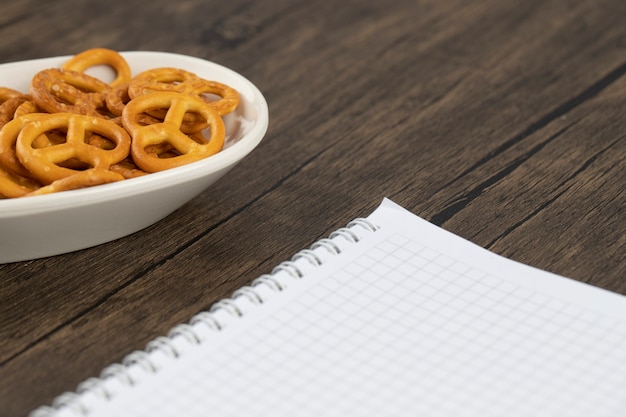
409,321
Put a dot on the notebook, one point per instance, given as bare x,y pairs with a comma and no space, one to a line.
388,316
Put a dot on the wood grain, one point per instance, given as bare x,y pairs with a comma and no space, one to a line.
503,122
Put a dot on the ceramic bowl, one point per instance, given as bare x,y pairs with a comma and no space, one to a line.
52,224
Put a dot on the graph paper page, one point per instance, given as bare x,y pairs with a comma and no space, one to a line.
409,321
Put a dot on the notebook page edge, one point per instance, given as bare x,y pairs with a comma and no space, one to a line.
393,215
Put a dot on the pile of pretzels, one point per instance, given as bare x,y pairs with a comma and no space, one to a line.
73,130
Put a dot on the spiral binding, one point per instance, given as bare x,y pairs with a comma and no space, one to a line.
163,349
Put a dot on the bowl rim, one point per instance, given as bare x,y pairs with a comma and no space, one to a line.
10,207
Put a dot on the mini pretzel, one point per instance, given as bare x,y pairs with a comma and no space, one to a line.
57,90
117,98
81,179
13,185
7,93
169,131
166,79
101,56
26,107
128,169
8,139
9,108
181,81
46,163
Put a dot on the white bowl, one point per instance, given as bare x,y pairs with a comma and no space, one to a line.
45,225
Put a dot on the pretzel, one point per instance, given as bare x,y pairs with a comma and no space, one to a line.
7,93
13,185
46,163
167,79
8,139
117,98
56,90
81,179
128,169
169,132
10,100
9,108
26,107
181,81
100,56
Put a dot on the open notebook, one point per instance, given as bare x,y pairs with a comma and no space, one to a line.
389,316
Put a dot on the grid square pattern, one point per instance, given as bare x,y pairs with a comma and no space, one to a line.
405,330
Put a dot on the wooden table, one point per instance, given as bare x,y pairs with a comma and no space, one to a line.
503,122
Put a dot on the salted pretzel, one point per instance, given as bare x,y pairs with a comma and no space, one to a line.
46,163
9,108
27,107
7,93
80,179
101,56
117,98
10,100
57,90
13,185
128,169
181,81
169,131
8,139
